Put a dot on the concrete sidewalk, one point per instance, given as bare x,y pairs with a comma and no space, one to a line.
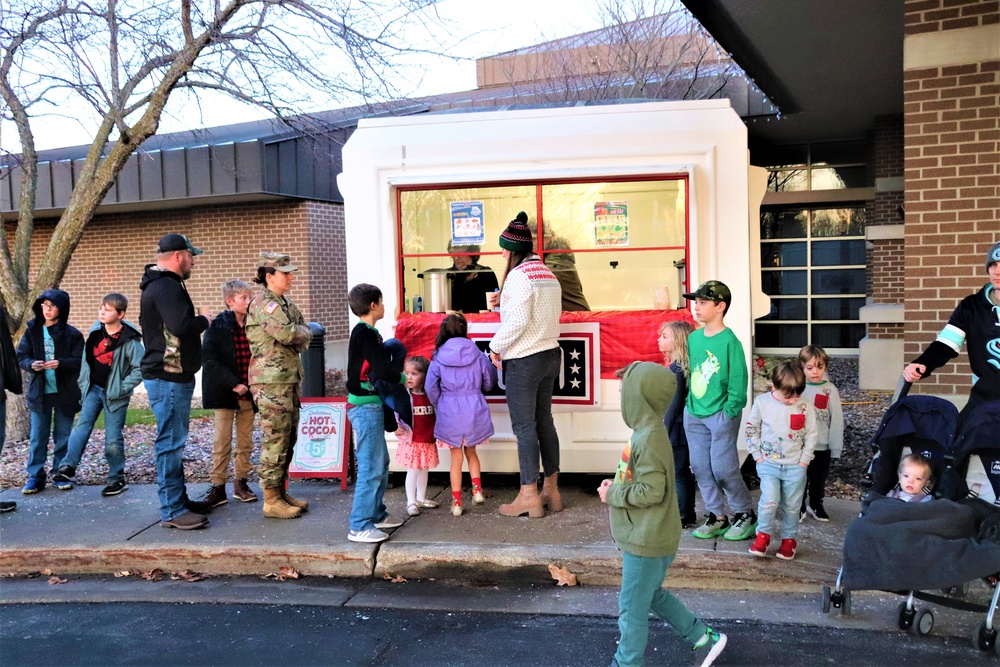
80,532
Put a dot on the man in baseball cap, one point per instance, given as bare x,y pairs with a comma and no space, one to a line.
175,242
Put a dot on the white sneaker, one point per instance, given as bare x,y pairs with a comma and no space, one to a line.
456,509
388,522
478,497
413,509
370,535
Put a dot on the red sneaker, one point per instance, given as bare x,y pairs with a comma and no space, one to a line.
759,546
787,549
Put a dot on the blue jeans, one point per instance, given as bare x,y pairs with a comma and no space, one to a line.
530,382
372,456
715,462
642,592
114,443
780,486
171,404
41,427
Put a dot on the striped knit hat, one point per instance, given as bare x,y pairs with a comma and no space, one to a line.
517,236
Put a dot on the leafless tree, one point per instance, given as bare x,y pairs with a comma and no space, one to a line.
123,63
651,49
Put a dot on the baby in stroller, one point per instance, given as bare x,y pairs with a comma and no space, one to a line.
915,471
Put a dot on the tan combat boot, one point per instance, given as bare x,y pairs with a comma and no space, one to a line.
275,506
550,493
301,504
527,502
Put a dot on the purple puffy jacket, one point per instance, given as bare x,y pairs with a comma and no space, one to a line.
458,376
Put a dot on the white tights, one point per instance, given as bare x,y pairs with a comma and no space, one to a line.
416,485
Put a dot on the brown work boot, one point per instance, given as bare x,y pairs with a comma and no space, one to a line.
550,493
217,495
242,492
527,502
186,521
301,504
275,506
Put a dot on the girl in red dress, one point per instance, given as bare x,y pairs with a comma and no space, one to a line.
416,450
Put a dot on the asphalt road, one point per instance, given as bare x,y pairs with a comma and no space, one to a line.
149,633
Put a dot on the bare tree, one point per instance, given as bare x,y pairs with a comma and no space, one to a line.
651,49
121,63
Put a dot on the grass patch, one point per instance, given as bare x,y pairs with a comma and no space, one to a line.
146,417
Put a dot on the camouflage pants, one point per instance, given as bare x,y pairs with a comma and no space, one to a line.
279,422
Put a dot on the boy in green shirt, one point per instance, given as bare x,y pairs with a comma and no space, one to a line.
717,396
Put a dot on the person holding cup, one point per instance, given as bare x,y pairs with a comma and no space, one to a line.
527,342
471,282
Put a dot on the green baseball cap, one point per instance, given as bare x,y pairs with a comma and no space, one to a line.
712,290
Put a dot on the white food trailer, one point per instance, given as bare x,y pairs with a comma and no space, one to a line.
631,192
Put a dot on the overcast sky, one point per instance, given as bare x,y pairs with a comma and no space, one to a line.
495,26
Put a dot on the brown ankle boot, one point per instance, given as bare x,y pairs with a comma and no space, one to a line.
275,506
242,491
301,504
216,495
550,493
527,502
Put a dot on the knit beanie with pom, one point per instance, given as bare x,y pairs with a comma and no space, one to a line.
517,236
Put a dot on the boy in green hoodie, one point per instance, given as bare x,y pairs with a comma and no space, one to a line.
646,523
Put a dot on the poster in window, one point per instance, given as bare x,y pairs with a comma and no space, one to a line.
467,226
324,434
611,224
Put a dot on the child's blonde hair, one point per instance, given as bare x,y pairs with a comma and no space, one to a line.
810,352
679,332
231,288
917,460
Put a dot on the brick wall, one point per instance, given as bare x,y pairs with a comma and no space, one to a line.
882,331
952,171
885,256
115,248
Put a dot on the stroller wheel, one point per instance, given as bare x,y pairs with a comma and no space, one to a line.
845,606
923,623
984,639
905,616
826,599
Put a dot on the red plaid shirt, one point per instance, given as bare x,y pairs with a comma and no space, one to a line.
242,347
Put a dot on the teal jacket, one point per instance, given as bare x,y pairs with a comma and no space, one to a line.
645,520
126,373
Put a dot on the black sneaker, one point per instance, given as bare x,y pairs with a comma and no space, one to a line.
689,521
66,471
62,482
818,513
7,506
114,488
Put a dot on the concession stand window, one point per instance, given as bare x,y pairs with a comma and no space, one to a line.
626,239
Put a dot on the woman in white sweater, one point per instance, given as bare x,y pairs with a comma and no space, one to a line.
528,344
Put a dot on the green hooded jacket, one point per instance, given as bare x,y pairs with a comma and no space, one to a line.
645,520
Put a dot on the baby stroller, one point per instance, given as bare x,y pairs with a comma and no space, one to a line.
909,548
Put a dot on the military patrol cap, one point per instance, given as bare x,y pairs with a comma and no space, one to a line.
278,261
712,290
175,242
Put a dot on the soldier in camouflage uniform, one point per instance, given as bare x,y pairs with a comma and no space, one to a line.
278,334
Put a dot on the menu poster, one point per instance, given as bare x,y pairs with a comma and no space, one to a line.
467,226
611,223
324,434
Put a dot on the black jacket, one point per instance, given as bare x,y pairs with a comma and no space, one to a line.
69,352
221,373
171,332
10,369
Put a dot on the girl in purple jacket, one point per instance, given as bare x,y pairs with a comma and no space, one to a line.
458,375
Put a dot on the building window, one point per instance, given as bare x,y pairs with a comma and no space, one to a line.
813,268
831,166
622,238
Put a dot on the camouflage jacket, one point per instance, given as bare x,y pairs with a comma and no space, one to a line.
278,334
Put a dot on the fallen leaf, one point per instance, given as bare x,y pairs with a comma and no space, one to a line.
124,573
153,575
47,572
562,575
398,579
289,572
187,575
56,580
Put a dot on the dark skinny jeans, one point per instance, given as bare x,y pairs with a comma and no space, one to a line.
530,382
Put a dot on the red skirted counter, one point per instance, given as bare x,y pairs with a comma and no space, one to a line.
626,335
